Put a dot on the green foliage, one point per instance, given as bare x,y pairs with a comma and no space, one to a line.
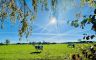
91,19
9,8
34,5
75,23
91,3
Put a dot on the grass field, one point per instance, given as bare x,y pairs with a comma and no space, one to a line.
50,52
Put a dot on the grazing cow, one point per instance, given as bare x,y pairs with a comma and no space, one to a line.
39,47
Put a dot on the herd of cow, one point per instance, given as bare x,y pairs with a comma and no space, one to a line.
40,47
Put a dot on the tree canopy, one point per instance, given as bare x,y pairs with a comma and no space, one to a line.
25,14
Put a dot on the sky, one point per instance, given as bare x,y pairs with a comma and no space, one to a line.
51,28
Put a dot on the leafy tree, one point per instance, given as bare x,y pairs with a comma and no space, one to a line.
1,43
91,19
25,15
9,8
7,42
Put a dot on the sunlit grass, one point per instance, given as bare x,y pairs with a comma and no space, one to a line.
52,51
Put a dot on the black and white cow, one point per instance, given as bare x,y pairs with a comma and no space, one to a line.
39,47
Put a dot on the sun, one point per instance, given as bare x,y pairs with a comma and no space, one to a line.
53,21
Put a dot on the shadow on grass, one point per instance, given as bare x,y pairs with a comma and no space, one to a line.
37,52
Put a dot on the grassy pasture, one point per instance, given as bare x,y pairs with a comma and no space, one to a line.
50,52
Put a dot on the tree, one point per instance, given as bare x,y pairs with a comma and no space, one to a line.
7,42
1,43
9,8
90,19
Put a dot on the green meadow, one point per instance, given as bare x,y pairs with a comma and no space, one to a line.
49,52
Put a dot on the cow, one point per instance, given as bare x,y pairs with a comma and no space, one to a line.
39,47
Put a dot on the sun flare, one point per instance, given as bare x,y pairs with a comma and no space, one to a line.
53,20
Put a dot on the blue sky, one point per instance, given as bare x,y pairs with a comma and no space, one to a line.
46,30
